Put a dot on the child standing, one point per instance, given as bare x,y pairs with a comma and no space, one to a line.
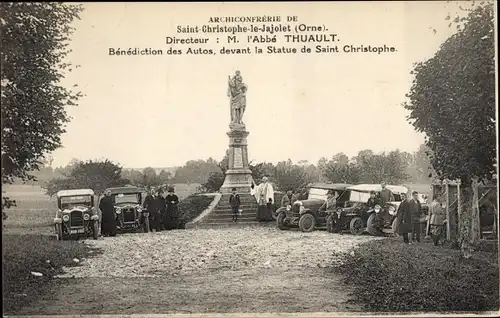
234,201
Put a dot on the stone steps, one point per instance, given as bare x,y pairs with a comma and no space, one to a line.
239,224
221,215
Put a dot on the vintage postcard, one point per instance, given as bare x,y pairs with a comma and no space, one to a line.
250,159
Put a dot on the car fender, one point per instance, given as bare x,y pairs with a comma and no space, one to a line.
94,217
57,220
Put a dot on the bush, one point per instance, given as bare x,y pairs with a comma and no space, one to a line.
391,276
193,205
23,254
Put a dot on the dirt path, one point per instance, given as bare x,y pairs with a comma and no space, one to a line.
200,271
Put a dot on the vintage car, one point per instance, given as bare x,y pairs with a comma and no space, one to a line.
76,216
305,214
128,208
380,220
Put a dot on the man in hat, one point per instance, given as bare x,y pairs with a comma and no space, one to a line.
437,220
235,202
416,212
289,198
386,195
171,218
404,219
333,219
148,204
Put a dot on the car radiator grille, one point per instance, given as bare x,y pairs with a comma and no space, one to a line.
295,210
129,215
76,218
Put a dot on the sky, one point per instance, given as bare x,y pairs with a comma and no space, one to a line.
162,111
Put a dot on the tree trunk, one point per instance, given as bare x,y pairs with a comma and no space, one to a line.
469,218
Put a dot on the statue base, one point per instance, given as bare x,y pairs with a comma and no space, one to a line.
238,175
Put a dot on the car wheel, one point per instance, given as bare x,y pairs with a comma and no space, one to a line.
329,223
372,226
357,226
95,231
307,223
395,228
280,221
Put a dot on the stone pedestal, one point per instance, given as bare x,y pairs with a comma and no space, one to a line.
238,175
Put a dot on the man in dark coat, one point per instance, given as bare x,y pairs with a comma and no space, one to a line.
108,219
416,212
157,210
235,202
171,217
403,218
148,204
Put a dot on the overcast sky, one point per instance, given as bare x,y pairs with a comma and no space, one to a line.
164,110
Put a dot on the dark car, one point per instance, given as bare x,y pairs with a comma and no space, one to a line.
378,220
305,214
128,208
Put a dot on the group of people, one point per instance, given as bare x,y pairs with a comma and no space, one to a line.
408,219
161,204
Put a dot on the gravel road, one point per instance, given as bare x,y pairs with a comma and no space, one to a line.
209,270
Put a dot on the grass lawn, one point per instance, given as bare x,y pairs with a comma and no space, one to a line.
390,276
26,253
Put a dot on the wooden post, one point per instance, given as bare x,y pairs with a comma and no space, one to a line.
448,226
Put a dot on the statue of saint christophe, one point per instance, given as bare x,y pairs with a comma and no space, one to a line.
236,92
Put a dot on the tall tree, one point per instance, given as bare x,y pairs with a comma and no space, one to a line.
452,101
290,176
95,175
34,45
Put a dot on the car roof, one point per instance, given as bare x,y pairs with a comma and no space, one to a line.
377,187
74,192
330,186
125,190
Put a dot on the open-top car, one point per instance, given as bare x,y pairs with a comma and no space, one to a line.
128,208
306,214
377,220
76,215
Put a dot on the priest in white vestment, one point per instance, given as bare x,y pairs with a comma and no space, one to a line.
264,195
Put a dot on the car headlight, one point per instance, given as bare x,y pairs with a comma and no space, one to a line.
139,209
65,218
118,211
86,217
392,210
377,209
288,207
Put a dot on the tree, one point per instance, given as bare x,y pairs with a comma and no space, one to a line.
375,168
95,175
34,45
290,176
452,100
261,170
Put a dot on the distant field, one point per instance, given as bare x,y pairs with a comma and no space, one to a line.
35,211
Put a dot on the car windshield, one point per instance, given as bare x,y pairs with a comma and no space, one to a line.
357,196
318,194
127,198
76,200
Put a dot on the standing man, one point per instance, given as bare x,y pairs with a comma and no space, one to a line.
403,218
288,199
437,220
235,202
385,194
107,207
333,220
416,212
171,217
149,204
157,209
